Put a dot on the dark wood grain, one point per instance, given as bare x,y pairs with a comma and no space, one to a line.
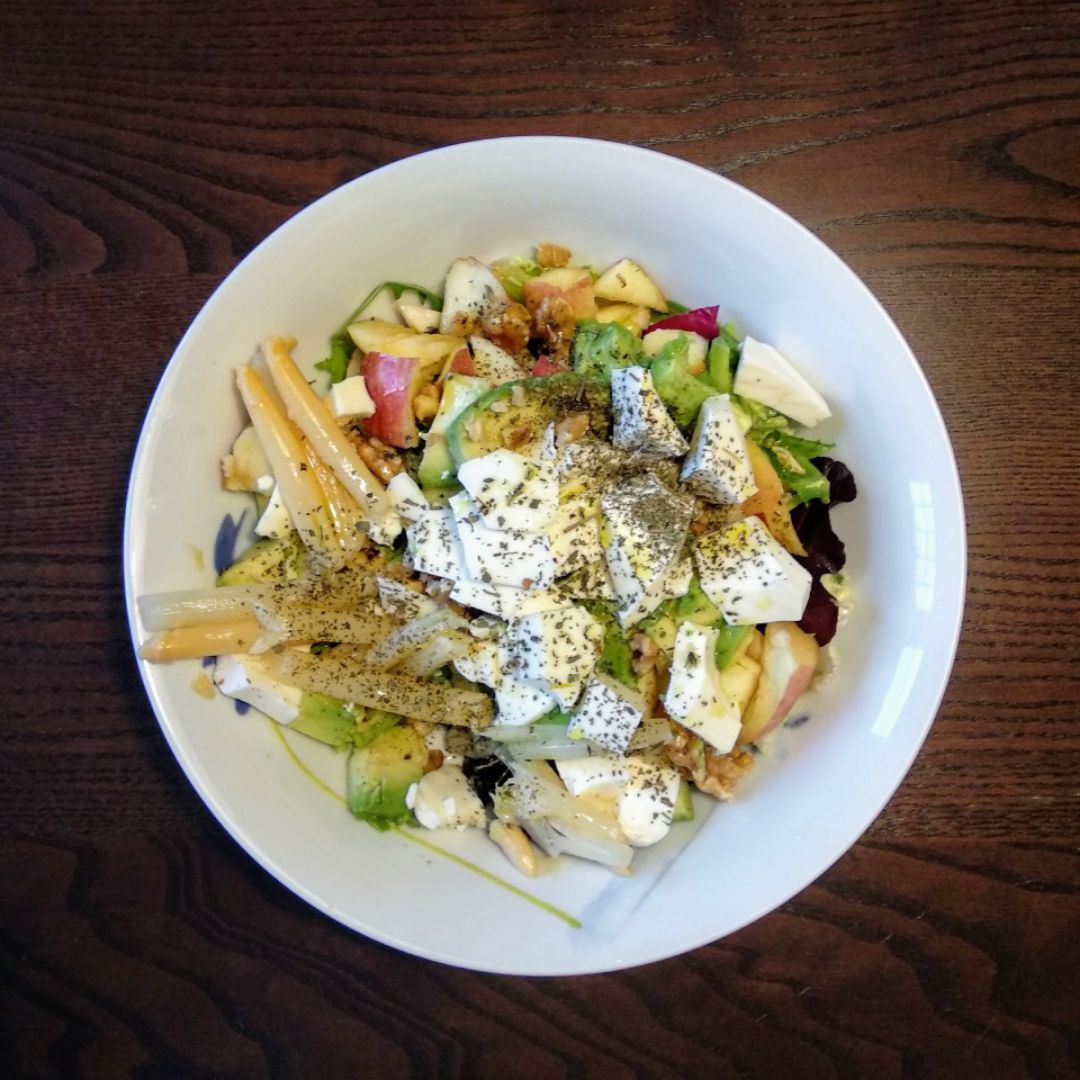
145,148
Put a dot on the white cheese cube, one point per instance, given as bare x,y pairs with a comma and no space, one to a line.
767,376
506,601
574,544
501,557
566,695
442,799
677,582
718,465
518,702
647,803
510,491
694,695
419,318
275,521
350,400
608,715
646,526
481,664
433,545
598,774
406,497
557,648
749,576
245,678
697,348
591,582
642,421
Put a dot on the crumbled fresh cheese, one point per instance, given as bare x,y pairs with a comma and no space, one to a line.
442,799
245,678
598,774
481,664
500,557
642,421
510,491
433,545
647,802
350,400
558,648
608,715
646,526
275,521
398,599
406,497
519,702
765,375
718,465
694,695
749,576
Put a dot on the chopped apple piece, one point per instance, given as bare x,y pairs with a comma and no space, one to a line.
627,282
633,316
739,680
788,660
422,319
768,502
573,284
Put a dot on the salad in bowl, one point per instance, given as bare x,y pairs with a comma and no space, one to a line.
542,553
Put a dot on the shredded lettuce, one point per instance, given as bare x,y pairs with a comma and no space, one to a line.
680,391
513,273
601,347
791,457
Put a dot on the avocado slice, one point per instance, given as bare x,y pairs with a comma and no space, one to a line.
494,421
380,774
684,804
327,719
268,559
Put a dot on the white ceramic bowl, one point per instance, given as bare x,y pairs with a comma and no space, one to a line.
706,240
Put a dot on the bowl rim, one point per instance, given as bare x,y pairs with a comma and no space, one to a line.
523,144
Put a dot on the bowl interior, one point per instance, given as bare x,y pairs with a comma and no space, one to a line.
705,240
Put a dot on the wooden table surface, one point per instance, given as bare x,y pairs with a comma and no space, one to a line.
144,149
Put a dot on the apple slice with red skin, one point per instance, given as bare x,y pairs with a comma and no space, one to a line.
788,661
392,382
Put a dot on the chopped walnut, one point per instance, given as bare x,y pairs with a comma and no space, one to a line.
554,324
715,774
549,255
426,403
508,328
570,428
644,650
381,459
434,761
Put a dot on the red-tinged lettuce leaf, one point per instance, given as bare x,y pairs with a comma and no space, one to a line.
842,487
821,614
701,321
825,553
